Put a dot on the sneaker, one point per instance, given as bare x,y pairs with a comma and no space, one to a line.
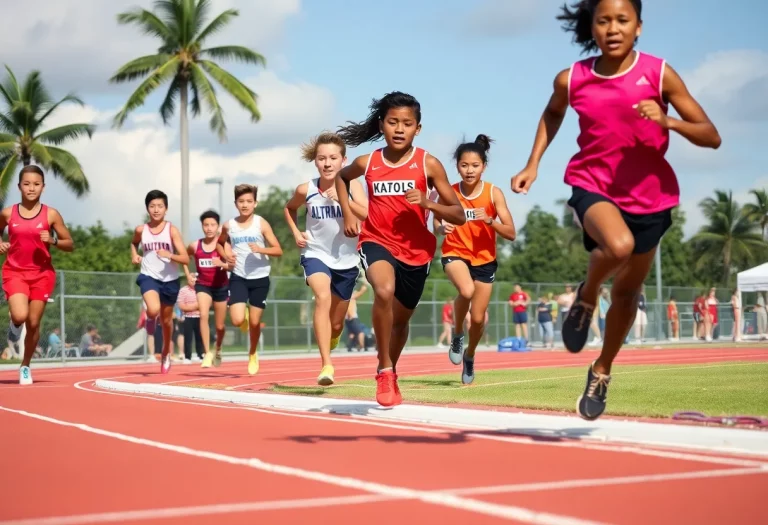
335,342
576,326
196,358
207,360
253,364
456,349
14,332
25,376
165,364
468,372
326,376
398,394
386,395
217,358
591,404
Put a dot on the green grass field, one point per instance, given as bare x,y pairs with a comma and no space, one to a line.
732,388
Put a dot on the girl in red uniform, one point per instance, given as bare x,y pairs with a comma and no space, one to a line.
28,275
211,285
469,251
395,245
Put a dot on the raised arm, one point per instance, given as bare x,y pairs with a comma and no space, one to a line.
63,239
347,174
447,207
549,125
506,226
290,211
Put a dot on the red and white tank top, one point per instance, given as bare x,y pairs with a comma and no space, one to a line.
208,274
161,269
392,221
621,154
27,252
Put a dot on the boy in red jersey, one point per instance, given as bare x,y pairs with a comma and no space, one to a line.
623,188
211,285
28,275
469,251
395,245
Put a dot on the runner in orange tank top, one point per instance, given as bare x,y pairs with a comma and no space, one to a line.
395,245
469,251
28,275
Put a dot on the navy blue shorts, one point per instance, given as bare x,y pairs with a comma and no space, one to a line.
520,317
218,295
251,291
167,290
342,281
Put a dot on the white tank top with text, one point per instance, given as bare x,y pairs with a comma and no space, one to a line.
325,229
248,265
164,270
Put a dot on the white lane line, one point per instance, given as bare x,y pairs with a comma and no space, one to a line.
508,512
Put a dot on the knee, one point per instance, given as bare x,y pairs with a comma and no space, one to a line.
385,292
153,312
236,319
467,290
220,326
620,247
337,327
477,318
323,299
33,324
19,318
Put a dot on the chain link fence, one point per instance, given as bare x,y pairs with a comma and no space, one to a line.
109,304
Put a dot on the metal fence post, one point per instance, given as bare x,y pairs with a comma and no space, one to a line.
434,313
62,318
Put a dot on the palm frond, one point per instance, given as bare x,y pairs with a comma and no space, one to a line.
239,91
137,98
7,175
168,107
208,93
236,54
9,126
147,21
217,24
7,145
194,102
9,88
41,155
35,93
200,16
139,67
68,170
173,14
69,99
67,132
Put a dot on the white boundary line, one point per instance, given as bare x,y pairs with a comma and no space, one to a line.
508,512
434,428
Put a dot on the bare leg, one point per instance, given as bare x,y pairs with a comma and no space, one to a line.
480,300
381,275
320,284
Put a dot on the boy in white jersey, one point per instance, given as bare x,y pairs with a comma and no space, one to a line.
252,243
158,279
328,257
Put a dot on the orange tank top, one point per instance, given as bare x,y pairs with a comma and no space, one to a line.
474,241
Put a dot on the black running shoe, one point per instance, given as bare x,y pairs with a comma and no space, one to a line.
591,403
576,325
456,350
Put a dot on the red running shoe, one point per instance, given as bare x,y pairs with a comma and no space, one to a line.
386,388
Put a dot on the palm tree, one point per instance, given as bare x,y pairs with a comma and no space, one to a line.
730,235
758,211
23,137
182,60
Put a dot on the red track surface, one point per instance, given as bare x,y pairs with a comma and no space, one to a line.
142,460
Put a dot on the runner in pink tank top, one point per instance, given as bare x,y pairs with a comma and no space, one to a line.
28,275
623,189
211,284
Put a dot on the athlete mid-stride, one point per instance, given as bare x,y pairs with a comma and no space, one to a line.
328,257
28,274
395,244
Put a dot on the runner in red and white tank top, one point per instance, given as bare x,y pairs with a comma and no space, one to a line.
211,284
623,189
28,275
395,244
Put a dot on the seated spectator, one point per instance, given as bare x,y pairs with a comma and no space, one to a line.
54,342
91,345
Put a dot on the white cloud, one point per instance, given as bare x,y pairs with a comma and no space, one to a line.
78,44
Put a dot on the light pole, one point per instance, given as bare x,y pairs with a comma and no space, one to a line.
220,182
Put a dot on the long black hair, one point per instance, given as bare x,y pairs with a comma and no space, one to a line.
481,145
356,133
578,20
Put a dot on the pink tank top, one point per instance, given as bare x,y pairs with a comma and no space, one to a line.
621,154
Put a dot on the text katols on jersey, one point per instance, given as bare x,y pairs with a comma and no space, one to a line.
393,187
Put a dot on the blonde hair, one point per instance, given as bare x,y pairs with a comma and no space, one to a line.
309,150
242,189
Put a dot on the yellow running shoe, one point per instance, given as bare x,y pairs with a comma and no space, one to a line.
253,364
335,342
326,376
207,360
245,325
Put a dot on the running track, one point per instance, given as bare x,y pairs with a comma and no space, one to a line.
75,454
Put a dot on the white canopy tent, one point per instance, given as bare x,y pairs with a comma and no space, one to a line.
753,280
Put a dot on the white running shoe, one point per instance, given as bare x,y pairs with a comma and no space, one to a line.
25,376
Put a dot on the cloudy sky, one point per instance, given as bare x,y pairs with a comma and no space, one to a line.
483,66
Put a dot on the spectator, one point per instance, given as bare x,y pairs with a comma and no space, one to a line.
641,319
187,303
705,323
604,303
54,342
544,310
566,300
674,319
736,307
519,300
762,316
447,323
712,307
90,343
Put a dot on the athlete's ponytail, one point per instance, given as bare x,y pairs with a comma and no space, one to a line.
578,20
355,134
480,146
